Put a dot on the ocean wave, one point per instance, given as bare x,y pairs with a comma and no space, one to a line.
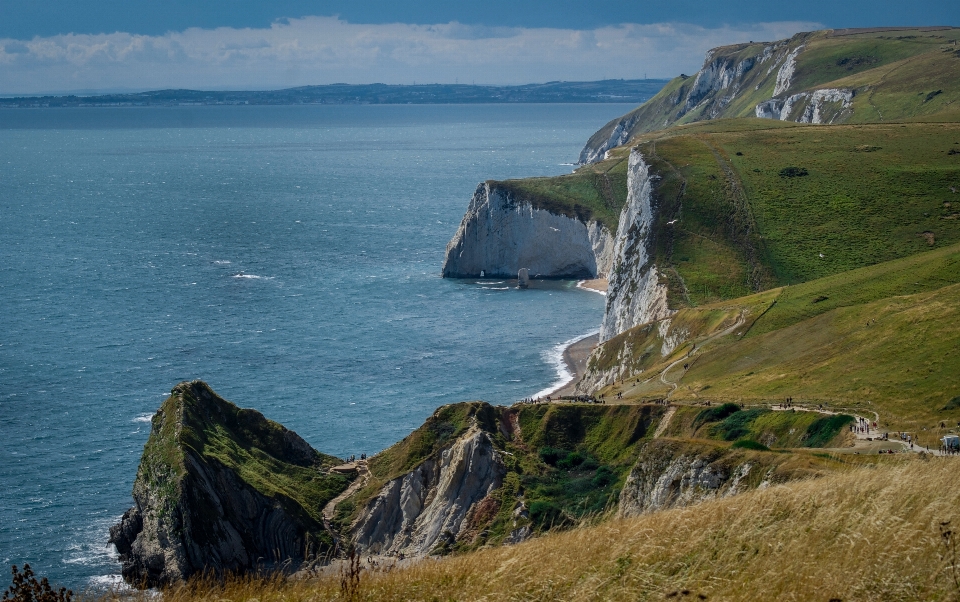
143,418
554,356
221,262
252,276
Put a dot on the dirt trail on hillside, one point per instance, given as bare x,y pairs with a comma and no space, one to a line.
359,482
673,384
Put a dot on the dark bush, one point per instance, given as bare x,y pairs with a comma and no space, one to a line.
573,460
546,514
604,477
551,455
822,430
715,414
794,172
749,444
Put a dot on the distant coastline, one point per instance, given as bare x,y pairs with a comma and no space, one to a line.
634,91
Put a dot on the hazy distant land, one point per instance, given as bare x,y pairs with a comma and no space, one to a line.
610,90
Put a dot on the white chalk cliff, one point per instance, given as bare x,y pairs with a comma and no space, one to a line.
635,294
431,504
501,233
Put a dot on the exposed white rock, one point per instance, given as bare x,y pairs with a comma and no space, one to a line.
785,75
414,513
634,294
720,74
813,103
620,134
500,234
659,481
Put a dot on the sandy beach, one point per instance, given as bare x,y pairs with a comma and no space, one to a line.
575,357
598,285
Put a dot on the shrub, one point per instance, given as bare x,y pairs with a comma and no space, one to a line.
793,172
604,477
26,588
546,514
551,455
822,430
715,414
749,444
573,460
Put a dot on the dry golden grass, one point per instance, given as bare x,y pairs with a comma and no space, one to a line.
864,534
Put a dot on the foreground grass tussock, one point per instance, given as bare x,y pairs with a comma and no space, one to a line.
865,534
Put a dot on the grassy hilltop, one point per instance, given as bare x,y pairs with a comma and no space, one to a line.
907,74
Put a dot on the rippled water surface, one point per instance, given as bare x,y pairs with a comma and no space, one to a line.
289,256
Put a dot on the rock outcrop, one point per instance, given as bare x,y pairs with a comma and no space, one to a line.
671,473
208,493
432,503
820,106
730,83
501,233
635,294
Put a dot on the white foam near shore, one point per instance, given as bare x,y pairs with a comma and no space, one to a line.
555,357
592,290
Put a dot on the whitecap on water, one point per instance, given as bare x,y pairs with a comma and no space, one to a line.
143,418
555,356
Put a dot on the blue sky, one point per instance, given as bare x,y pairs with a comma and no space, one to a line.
60,45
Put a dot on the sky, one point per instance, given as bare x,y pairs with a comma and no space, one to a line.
56,46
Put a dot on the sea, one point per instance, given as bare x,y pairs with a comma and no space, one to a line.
289,256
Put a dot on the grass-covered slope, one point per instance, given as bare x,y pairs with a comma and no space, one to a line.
749,204
565,462
758,206
892,75
884,339
595,192
867,534
264,454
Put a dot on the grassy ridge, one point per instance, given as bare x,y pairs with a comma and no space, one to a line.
865,534
891,74
596,192
882,338
257,449
870,194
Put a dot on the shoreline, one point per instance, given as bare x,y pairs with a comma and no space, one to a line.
573,354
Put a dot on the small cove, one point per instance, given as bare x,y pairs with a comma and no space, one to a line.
289,256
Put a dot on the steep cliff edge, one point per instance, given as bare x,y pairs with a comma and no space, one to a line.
502,232
635,294
476,475
817,77
672,473
222,489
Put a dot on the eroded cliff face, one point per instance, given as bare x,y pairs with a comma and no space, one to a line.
743,80
671,473
432,504
195,513
635,293
500,234
820,106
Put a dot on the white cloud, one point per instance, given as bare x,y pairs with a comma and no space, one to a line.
318,50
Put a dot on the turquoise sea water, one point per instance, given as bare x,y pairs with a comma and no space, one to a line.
289,256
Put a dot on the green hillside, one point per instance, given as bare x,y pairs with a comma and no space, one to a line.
883,339
892,76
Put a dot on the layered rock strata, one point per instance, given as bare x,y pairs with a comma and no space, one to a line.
671,473
206,498
502,233
431,504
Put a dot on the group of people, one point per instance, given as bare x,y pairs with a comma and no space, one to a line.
862,425
571,399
